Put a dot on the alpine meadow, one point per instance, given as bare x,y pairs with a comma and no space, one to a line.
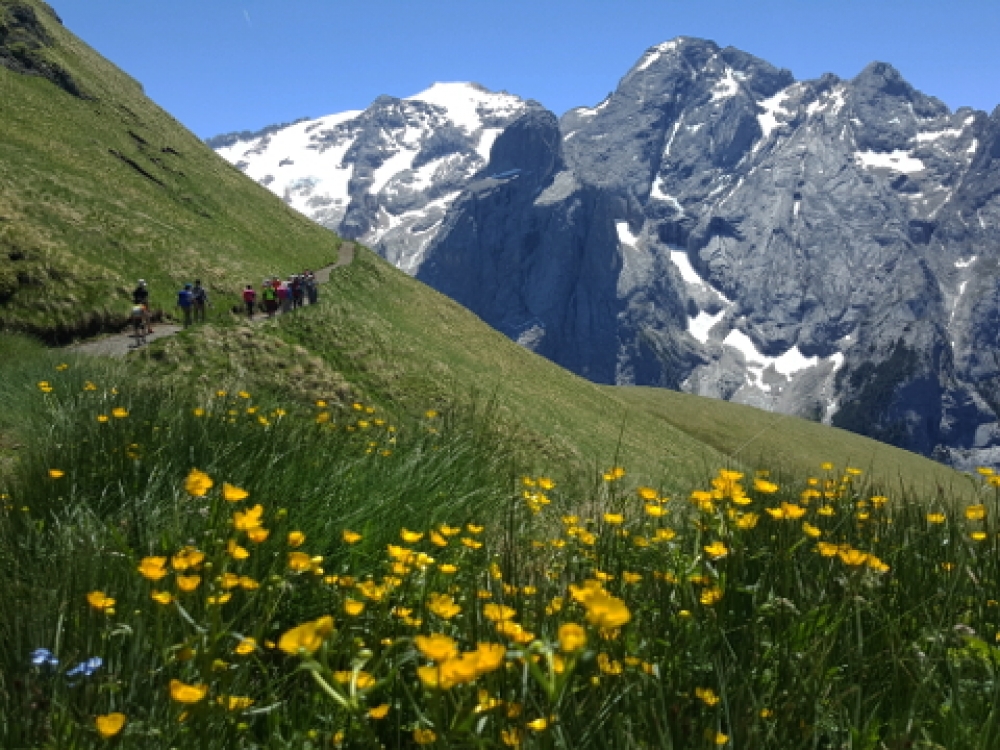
376,521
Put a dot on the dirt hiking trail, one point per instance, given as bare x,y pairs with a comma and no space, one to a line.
120,344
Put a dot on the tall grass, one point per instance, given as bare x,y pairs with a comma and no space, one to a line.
470,606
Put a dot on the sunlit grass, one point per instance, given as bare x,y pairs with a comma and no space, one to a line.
231,572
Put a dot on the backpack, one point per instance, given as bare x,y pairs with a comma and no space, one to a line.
269,293
184,298
198,294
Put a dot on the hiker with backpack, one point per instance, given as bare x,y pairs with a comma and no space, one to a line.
185,301
250,300
270,296
199,301
140,296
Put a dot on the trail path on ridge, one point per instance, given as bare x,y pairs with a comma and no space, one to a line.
120,344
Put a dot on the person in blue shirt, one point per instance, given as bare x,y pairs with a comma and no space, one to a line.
185,301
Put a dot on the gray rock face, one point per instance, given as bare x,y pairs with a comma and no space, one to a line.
826,248
823,248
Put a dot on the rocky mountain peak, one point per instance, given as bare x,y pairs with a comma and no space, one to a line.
827,248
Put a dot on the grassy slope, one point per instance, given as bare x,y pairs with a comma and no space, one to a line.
88,224
407,347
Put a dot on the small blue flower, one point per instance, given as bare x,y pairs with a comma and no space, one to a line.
42,657
86,668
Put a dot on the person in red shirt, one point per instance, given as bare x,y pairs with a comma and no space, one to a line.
250,299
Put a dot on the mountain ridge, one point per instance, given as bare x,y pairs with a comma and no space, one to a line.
716,226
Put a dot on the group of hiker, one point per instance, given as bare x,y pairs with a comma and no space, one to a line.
284,295
192,300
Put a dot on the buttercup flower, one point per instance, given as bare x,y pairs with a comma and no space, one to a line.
108,725
187,694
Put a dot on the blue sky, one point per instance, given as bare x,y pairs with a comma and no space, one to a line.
223,65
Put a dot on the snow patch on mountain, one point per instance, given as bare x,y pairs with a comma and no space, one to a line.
897,161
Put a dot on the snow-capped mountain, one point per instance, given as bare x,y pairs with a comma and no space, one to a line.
386,175
828,248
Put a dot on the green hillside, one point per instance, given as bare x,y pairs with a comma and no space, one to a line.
408,348
99,186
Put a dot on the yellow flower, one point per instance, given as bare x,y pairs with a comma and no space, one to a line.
437,539
424,736
719,738
198,483
258,535
826,466
103,418
161,597
436,647
511,737
648,493
936,518
220,599
299,561
236,551
664,535
606,612
442,605
153,568
826,549
716,550
608,665
243,394
474,529
248,520
762,485
234,702
229,580
498,612
189,557
811,531
351,537
711,596
248,584
100,601
307,637
852,557
449,530
572,637
89,386
232,493
183,693
378,712
448,568
546,484
707,696
363,680
119,413
826,510
296,538
615,519
471,543
353,607
538,725
57,473
877,565
246,646
188,583
975,512
411,536
108,725
747,520
978,536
